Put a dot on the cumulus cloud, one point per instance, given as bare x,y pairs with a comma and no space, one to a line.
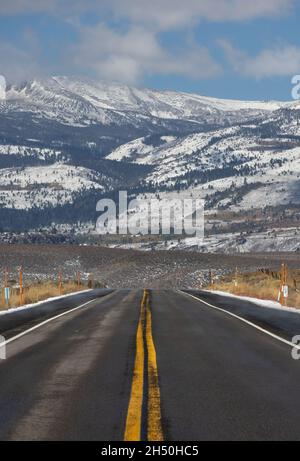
283,60
132,54
136,53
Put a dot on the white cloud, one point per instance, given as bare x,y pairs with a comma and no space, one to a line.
168,14
131,55
164,14
137,53
17,64
283,60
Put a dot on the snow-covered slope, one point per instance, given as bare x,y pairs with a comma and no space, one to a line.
57,184
237,166
190,159
25,151
175,149
64,140
141,150
81,101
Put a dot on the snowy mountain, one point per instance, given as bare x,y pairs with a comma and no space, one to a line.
66,142
83,102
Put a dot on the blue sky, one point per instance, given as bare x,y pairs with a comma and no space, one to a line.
222,48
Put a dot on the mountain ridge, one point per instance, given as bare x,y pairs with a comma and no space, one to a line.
65,142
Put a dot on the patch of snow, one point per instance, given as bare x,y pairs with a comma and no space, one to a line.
259,302
32,305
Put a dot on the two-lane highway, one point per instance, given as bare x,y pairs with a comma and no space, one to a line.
144,364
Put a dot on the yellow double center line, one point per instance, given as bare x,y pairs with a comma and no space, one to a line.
145,352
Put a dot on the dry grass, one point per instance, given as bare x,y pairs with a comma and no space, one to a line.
38,292
261,285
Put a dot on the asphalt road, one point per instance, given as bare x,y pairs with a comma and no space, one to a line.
160,365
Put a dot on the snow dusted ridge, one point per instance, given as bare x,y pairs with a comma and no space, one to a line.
121,97
82,101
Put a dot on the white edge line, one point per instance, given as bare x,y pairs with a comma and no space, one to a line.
279,338
25,307
44,323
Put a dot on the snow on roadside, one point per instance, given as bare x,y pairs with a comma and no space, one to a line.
257,301
30,306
